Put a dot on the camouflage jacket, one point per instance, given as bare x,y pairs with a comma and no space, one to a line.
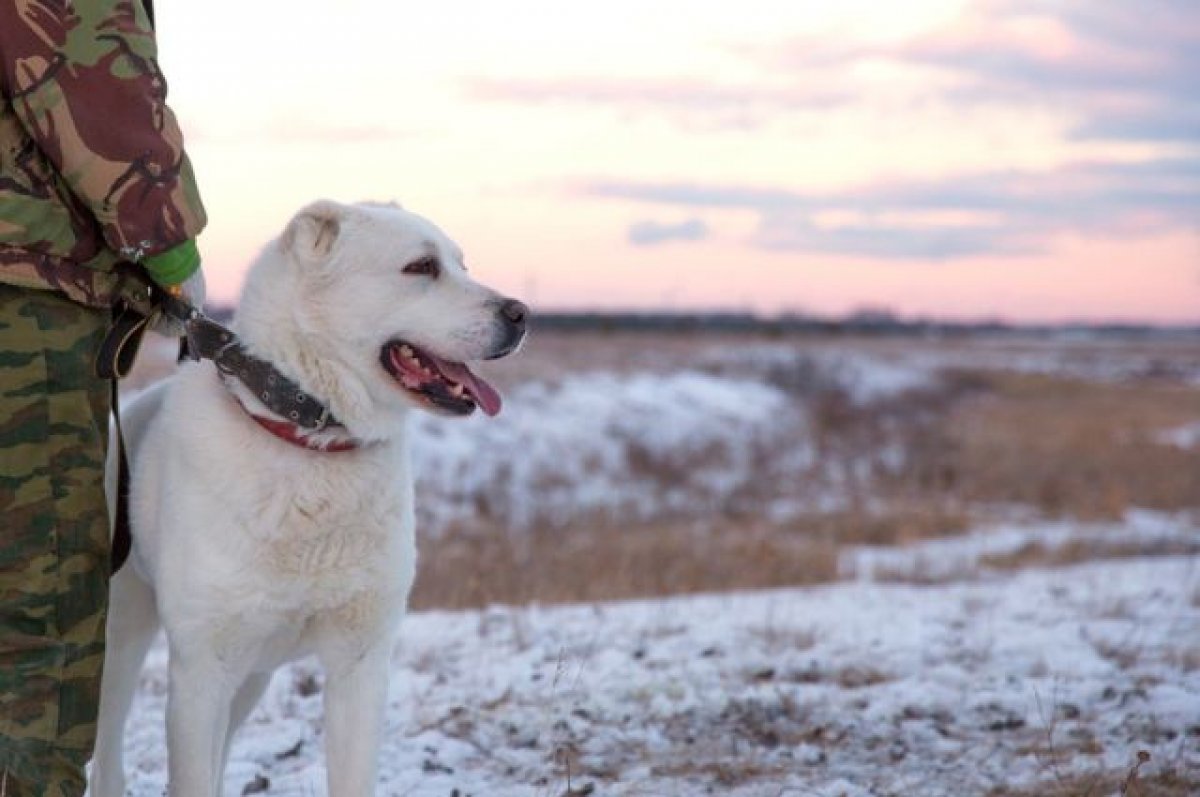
92,166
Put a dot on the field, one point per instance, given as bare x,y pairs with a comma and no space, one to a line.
916,566
667,464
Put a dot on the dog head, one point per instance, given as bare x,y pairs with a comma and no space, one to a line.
383,305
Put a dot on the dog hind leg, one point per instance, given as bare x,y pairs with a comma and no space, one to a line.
132,625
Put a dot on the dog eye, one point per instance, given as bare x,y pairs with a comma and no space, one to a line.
425,267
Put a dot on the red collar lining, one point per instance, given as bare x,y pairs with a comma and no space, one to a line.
297,436
291,432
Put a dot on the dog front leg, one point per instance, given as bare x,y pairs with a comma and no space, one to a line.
198,703
355,699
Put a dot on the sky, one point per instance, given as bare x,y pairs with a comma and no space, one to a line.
1029,160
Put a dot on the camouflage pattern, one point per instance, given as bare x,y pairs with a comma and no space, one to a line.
53,540
92,165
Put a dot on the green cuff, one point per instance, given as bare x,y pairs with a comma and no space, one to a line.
174,265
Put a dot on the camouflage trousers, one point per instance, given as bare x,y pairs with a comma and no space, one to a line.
53,540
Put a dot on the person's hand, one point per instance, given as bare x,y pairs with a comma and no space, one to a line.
177,271
192,291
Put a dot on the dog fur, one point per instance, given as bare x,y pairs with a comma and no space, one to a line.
250,551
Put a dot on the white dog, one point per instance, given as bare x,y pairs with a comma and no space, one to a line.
256,541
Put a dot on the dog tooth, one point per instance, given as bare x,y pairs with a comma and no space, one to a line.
456,391
406,351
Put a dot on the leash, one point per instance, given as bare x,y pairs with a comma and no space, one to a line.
203,338
122,541
115,358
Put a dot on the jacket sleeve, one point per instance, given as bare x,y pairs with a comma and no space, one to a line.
83,77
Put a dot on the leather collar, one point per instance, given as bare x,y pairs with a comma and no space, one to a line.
301,415
291,432
206,338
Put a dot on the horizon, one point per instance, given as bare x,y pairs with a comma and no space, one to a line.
862,315
952,158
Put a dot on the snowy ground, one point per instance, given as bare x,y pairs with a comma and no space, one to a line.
851,689
967,556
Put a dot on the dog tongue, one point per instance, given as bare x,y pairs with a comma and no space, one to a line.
485,395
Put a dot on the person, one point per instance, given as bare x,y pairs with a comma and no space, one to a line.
92,174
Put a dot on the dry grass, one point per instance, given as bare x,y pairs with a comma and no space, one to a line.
600,564
1059,754
1037,554
900,523
1105,784
1070,448
740,744
1064,447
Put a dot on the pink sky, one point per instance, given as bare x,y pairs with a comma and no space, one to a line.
948,158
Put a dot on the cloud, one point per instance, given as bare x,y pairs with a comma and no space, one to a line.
1125,68
688,93
1128,70
652,233
1002,212
690,102
890,241
298,129
1166,125
292,128
696,195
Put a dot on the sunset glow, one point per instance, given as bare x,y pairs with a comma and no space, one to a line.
1000,158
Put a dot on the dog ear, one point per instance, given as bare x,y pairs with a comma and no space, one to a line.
314,230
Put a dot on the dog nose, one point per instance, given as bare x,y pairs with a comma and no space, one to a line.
511,316
514,312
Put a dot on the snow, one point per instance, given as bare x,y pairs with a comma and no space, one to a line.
850,689
629,446
636,446
1186,437
964,556
864,378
